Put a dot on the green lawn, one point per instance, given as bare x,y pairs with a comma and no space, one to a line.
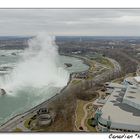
89,125
75,81
103,61
88,121
26,123
80,112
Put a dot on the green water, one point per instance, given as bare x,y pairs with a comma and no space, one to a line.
11,105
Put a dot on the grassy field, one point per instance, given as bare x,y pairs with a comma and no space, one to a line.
92,65
76,81
26,123
90,128
103,61
106,62
118,80
92,61
80,112
90,115
130,74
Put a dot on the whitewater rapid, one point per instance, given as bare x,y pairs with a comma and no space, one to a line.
33,75
38,67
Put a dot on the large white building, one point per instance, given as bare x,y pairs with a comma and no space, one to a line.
122,107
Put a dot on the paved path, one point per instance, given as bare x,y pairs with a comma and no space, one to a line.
12,123
117,66
117,69
84,118
22,127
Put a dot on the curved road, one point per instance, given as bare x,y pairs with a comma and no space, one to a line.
18,120
117,69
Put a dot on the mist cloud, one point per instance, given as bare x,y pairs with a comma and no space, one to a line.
39,67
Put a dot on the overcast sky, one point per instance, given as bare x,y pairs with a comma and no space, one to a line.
102,22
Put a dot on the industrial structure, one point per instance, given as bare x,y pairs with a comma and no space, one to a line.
121,109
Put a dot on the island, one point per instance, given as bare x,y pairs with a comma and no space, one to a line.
68,64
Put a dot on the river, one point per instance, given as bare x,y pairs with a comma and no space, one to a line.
29,97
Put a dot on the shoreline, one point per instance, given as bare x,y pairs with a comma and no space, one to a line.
67,95
78,57
24,114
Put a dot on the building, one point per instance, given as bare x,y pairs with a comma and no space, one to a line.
121,111
43,117
81,75
137,79
138,69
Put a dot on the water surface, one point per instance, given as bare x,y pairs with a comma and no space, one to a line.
28,97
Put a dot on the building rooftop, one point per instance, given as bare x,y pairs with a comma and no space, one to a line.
137,78
131,81
115,85
132,96
121,114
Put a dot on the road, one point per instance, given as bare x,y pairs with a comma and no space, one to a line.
19,119
116,69
117,66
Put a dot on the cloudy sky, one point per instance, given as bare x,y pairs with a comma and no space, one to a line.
104,22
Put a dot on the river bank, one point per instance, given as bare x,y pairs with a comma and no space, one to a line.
26,113
62,104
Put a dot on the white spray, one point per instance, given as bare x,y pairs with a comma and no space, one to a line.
39,66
